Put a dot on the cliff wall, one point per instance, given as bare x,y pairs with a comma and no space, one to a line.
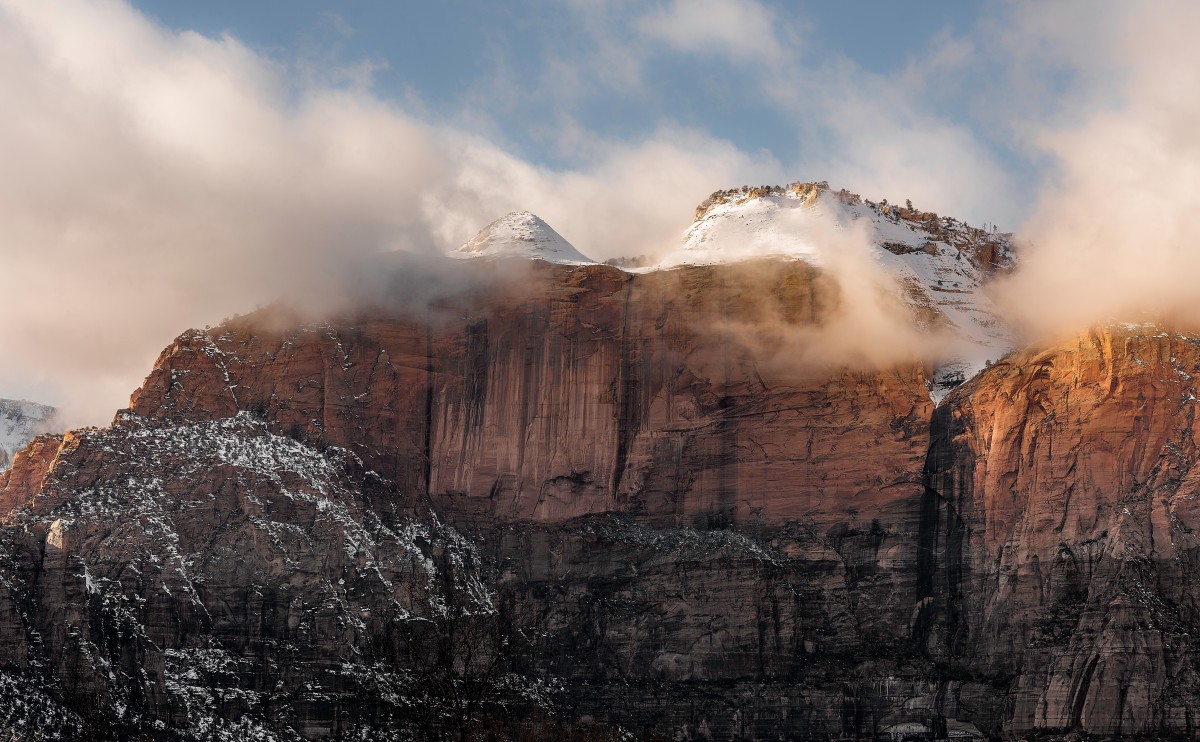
617,497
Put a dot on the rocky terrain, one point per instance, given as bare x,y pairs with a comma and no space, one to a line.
625,499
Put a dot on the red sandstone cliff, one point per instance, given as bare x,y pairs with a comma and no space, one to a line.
598,391
1065,487
685,533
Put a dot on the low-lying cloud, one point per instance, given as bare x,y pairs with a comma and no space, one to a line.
846,313
1116,235
155,180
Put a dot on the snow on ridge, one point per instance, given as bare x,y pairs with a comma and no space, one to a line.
792,222
522,235
938,264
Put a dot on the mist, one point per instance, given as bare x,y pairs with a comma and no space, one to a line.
1115,235
838,308
155,181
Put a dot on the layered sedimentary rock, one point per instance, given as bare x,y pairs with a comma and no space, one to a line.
1064,556
599,391
615,496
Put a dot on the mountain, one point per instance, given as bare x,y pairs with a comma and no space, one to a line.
583,495
938,265
21,422
521,235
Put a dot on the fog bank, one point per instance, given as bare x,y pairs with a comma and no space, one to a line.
155,181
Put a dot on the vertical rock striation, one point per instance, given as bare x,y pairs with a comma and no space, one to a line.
619,496
1063,546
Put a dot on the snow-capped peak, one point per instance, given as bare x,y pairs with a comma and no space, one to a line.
792,221
522,235
938,264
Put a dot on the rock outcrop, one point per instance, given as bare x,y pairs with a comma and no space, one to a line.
219,581
595,391
616,497
936,265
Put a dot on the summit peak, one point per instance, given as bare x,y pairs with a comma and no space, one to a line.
525,235
938,265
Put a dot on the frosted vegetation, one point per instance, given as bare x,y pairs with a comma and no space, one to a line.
395,607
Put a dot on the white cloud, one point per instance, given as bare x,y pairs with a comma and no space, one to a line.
631,198
1115,234
742,30
879,142
154,181
875,134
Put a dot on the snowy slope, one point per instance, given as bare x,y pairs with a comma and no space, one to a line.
521,235
21,422
938,263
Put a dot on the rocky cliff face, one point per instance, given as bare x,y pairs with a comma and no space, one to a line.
599,391
595,493
212,579
1065,555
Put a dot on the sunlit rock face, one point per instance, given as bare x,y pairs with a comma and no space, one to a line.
592,390
1065,552
613,495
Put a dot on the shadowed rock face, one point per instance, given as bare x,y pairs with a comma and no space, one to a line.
590,494
218,580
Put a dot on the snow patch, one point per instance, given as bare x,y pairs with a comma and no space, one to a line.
934,261
522,235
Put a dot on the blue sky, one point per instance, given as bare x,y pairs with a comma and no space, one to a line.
445,54
537,76
168,164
